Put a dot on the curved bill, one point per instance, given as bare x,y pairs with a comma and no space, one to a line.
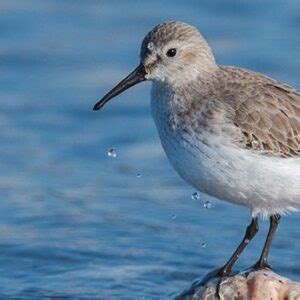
138,75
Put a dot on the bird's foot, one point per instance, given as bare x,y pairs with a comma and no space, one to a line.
223,272
261,265
217,274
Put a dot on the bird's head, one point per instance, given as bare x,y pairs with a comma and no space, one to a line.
173,53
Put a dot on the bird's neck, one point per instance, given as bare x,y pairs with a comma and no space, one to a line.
172,104
176,96
169,106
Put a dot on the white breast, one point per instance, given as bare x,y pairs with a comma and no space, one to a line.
267,185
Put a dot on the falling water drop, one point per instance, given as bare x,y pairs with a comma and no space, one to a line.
207,204
203,245
195,196
174,217
138,175
112,152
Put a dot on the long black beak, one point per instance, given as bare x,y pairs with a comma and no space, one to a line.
138,75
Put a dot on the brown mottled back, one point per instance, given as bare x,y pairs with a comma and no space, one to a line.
266,112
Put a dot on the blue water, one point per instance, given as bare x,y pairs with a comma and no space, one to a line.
75,222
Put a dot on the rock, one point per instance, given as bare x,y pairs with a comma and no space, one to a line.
249,284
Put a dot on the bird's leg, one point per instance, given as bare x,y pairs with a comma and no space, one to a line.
263,260
249,234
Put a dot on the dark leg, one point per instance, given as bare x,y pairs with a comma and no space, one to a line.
250,233
263,260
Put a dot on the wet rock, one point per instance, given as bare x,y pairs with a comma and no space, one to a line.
249,284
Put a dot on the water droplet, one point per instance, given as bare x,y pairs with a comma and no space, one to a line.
207,204
247,241
174,217
195,196
203,245
138,175
112,152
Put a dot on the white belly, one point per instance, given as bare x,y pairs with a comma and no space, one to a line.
265,184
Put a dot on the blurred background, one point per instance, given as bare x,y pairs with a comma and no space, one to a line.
78,219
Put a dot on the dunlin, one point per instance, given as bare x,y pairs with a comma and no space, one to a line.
231,133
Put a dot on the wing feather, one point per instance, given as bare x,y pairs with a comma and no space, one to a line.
267,113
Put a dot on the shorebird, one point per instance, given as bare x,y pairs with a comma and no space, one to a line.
229,132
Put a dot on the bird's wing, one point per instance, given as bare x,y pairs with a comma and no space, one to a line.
268,116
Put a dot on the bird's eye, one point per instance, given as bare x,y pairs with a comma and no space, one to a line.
171,52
